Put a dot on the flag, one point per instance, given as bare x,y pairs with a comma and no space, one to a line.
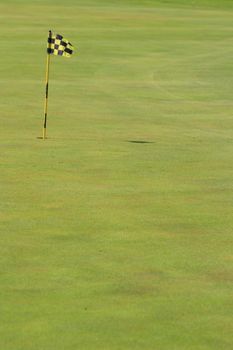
59,46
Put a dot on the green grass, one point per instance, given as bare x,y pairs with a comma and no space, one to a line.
108,244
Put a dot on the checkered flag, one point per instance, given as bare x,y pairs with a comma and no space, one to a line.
59,46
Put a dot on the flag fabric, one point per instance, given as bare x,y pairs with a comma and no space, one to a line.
59,46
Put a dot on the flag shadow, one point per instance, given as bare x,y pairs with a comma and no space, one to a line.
139,141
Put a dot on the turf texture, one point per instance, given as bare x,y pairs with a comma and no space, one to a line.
116,231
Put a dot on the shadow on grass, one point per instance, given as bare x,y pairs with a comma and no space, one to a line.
139,141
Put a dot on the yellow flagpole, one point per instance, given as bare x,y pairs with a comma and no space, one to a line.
47,86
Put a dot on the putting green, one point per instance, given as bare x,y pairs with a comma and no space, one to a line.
116,231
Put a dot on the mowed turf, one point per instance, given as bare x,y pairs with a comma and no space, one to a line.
116,231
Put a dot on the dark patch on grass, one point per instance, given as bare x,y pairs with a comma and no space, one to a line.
221,276
139,141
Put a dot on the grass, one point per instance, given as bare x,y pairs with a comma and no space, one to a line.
108,242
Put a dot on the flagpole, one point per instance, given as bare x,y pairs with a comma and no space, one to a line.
47,86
